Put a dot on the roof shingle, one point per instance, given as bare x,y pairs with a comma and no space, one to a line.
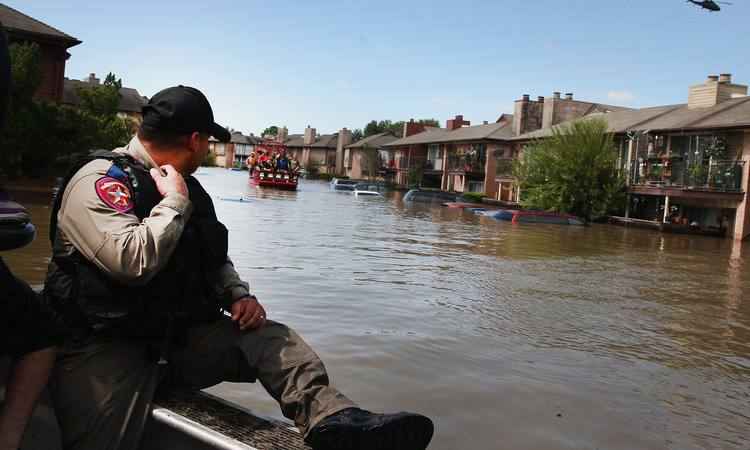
492,131
321,141
376,140
728,114
130,99
14,20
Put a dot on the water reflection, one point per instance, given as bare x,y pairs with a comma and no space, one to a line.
636,339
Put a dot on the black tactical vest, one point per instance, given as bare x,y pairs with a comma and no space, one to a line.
87,300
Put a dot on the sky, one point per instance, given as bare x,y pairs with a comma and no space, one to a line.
341,64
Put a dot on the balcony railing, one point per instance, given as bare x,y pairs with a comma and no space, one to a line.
386,164
465,164
722,176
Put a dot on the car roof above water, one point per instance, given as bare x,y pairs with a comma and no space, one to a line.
345,181
421,195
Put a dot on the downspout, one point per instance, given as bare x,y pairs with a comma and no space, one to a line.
628,171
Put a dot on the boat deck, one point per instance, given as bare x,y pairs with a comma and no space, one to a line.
197,420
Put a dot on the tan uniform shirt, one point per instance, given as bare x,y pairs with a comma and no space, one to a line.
129,250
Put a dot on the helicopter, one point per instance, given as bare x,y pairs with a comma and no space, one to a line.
710,5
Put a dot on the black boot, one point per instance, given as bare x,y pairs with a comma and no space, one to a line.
357,429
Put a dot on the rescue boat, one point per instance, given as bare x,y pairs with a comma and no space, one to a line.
264,171
274,179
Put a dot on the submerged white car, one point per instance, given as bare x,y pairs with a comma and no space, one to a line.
358,193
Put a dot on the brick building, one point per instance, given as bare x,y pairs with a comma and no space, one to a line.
686,166
53,46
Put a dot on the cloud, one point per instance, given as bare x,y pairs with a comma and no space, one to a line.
621,96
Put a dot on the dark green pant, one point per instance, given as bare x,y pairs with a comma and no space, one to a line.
92,384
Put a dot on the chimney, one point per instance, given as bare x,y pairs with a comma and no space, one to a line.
456,123
540,99
309,136
411,128
556,95
92,79
527,115
282,134
715,90
569,96
344,139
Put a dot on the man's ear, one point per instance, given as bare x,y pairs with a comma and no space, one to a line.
195,142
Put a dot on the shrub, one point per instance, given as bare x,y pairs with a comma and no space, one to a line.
209,160
473,197
573,171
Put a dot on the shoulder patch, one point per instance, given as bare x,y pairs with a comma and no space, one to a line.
115,194
117,173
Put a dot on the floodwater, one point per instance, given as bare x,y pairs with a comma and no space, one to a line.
508,336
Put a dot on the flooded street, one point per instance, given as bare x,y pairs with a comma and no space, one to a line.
508,336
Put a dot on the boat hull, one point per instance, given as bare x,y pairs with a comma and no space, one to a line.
268,179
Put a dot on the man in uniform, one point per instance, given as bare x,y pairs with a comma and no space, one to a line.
27,329
137,245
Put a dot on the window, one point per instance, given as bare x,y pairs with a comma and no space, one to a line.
476,186
434,157
468,158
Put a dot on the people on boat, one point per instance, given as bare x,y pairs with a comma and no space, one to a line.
140,264
28,331
264,160
282,162
294,164
251,160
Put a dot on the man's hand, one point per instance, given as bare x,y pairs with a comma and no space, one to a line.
248,313
171,183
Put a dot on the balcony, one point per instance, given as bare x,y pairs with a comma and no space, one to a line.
387,164
434,165
465,164
716,176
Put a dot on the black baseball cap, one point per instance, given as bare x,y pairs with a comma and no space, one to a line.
183,109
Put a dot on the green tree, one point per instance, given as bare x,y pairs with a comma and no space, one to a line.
573,171
430,122
370,162
414,177
357,135
101,99
99,105
209,160
374,127
25,61
40,134
273,130
395,128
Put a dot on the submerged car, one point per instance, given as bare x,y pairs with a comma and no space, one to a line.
429,196
359,193
526,216
339,184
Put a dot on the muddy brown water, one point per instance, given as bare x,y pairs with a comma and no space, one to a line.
508,336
